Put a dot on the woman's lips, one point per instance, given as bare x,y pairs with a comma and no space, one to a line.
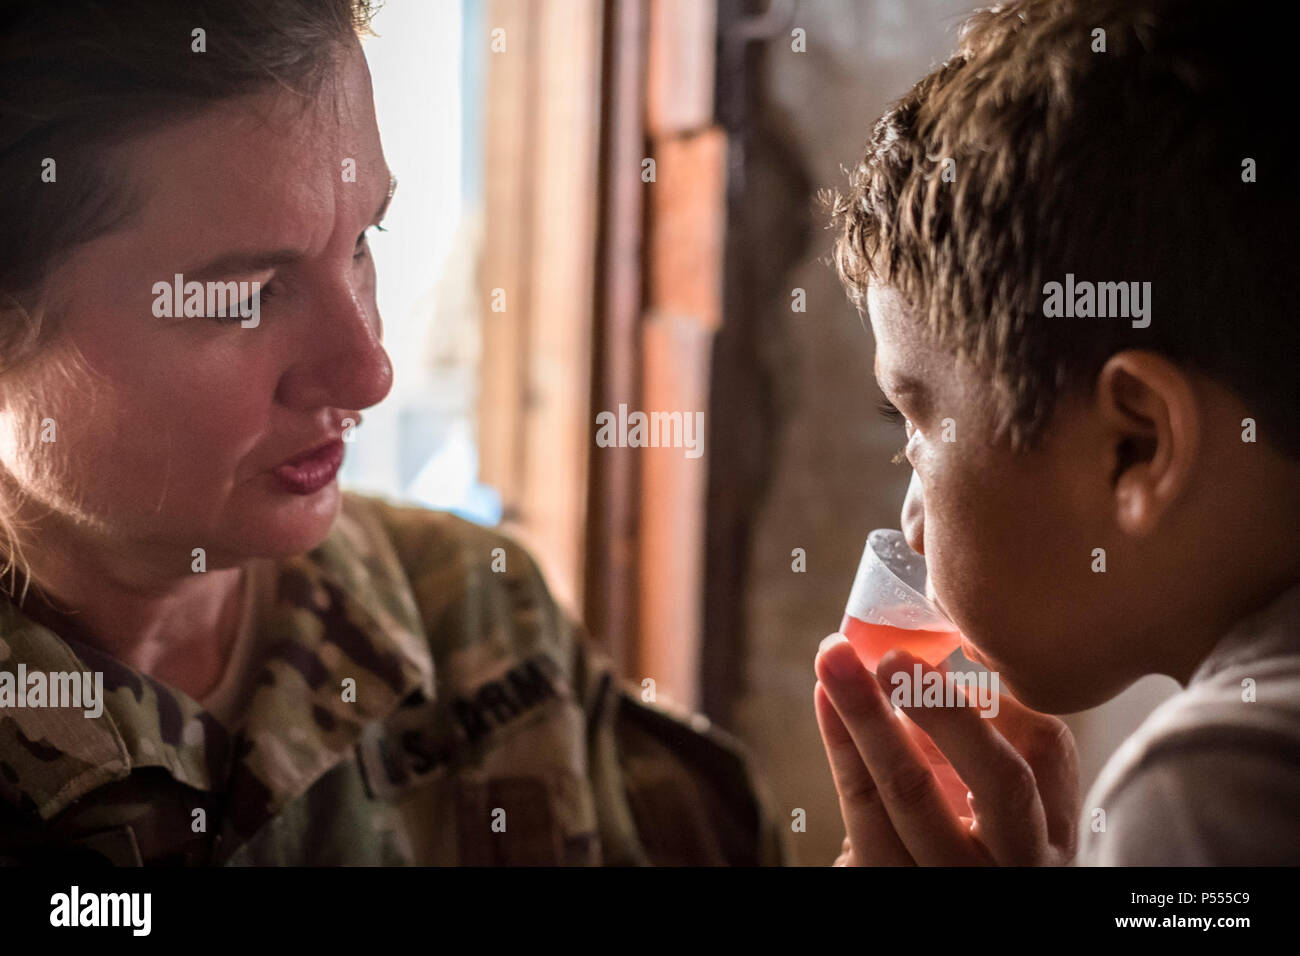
310,473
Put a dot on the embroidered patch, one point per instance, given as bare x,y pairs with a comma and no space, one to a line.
416,744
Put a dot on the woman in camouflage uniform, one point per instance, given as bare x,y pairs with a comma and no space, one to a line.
290,674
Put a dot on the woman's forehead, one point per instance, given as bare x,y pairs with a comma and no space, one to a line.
251,164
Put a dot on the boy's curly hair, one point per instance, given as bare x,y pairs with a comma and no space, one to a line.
1116,156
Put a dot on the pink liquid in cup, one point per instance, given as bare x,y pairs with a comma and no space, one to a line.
874,641
887,607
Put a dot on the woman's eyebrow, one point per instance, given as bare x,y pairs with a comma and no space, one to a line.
241,263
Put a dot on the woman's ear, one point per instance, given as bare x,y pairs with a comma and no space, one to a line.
1152,418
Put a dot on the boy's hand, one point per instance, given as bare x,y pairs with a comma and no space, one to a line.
900,779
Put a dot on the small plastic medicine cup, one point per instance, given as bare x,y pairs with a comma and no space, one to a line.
888,608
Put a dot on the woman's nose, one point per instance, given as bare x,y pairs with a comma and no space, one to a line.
913,516
343,362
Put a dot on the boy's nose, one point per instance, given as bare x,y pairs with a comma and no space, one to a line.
913,516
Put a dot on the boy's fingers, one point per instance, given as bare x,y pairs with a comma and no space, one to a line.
950,783
1048,746
907,788
1006,801
1049,750
869,831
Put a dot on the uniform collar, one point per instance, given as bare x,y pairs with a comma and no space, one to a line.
344,645
51,757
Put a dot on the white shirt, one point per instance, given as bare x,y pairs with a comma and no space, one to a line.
1212,777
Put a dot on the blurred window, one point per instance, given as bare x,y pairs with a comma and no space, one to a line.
419,444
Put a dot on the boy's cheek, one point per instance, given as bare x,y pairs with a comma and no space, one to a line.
1008,558
1013,607
981,561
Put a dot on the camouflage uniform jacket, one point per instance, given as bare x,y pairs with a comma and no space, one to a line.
481,728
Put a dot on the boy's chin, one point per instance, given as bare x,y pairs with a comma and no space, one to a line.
1045,692
1055,697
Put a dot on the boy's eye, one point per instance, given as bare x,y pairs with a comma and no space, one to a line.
890,413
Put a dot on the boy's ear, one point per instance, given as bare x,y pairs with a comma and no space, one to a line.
1151,419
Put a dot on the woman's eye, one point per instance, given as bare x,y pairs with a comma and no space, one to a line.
245,310
363,242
